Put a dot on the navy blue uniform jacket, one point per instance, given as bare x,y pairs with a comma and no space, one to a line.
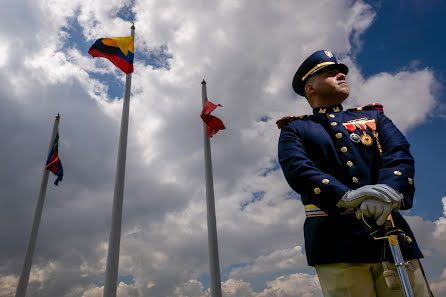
321,163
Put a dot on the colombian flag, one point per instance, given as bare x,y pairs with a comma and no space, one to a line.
119,50
53,163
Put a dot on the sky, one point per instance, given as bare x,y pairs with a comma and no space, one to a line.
247,51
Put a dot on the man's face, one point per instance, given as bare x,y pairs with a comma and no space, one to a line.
330,85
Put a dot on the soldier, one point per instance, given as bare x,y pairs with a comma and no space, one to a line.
346,165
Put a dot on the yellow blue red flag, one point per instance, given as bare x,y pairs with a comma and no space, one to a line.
119,50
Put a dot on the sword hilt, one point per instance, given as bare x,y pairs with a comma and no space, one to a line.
386,231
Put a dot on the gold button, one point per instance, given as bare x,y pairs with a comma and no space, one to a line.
338,135
325,181
355,179
333,124
349,163
317,191
396,172
410,181
331,115
343,149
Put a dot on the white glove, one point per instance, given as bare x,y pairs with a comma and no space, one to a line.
394,195
377,209
381,192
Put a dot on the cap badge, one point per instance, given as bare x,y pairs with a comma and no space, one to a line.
329,54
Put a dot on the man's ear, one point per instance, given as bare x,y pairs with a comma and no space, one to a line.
309,88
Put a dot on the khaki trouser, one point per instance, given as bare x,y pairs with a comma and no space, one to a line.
367,280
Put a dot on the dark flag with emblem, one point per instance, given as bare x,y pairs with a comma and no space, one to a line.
53,163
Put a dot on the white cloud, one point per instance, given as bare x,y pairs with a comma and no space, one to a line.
292,285
4,49
37,278
431,240
298,284
405,88
8,285
41,275
236,288
429,234
192,288
439,288
440,224
94,292
278,260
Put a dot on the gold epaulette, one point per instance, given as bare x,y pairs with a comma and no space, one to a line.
373,106
288,119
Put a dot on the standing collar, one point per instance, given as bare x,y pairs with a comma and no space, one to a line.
323,110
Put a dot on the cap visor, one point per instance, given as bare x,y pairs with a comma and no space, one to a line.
341,67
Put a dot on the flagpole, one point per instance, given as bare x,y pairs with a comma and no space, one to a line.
24,277
111,273
210,204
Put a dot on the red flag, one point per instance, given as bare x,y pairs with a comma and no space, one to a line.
213,123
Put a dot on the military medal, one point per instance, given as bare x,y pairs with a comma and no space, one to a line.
355,137
351,127
365,138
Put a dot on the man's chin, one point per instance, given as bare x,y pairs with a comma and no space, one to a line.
342,97
344,93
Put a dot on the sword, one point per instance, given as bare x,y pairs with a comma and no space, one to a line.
391,234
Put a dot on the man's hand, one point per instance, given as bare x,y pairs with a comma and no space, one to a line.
377,209
380,192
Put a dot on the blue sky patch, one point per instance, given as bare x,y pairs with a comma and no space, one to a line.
264,119
126,12
115,84
159,57
276,166
291,195
205,280
256,196
75,37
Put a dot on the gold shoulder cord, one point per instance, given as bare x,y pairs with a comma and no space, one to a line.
377,142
